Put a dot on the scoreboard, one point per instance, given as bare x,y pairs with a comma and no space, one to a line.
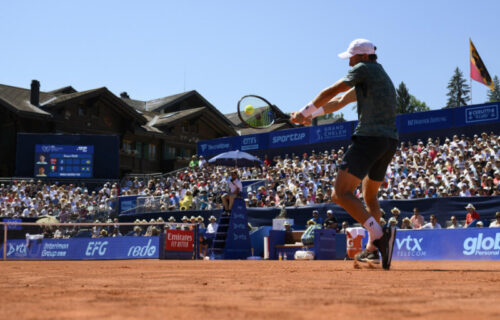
64,161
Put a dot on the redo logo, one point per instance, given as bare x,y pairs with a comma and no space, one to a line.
410,247
482,246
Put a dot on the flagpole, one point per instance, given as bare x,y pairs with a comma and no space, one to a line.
470,90
470,72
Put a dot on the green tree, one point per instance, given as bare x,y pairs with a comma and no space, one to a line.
408,103
417,105
494,96
458,90
402,99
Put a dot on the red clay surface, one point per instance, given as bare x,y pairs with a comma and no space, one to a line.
160,289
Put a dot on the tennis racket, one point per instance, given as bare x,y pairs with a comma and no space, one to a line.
256,112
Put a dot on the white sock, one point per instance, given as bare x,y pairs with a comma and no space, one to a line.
374,229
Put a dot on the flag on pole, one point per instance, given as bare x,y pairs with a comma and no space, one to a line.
478,70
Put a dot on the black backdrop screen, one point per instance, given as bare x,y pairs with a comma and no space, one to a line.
106,159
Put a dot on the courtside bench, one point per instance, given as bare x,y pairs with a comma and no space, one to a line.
328,245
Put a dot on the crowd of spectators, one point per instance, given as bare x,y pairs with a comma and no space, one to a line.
66,202
460,166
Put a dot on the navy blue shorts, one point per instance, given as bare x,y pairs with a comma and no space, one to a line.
369,156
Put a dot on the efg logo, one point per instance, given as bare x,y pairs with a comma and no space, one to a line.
410,247
96,247
482,246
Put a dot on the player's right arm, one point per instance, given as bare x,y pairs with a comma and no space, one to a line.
324,97
339,102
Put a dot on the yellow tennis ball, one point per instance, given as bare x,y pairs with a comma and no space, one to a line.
249,109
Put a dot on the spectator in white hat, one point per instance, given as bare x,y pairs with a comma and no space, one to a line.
212,226
471,214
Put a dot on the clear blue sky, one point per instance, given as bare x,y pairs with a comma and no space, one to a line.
285,51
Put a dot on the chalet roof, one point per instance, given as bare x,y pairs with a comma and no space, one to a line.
104,92
18,100
161,120
173,109
63,90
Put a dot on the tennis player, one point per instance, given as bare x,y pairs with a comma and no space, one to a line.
373,145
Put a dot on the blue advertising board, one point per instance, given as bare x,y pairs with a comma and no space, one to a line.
406,124
285,138
13,226
126,204
238,238
330,132
68,161
476,114
85,248
430,120
448,244
251,142
216,146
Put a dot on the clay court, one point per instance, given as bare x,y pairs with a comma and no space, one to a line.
161,289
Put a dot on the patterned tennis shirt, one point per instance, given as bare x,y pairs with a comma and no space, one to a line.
376,99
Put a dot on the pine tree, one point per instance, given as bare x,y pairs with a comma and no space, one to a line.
458,94
494,96
402,99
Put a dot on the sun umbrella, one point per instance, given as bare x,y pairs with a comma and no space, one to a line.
235,159
47,219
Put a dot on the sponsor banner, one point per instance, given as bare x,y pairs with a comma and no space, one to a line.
127,204
216,146
238,238
325,244
422,121
179,240
448,244
251,142
85,248
13,226
330,132
285,138
475,115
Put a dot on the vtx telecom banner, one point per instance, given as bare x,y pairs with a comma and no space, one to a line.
85,248
447,244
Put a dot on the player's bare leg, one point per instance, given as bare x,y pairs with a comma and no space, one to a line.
343,195
370,189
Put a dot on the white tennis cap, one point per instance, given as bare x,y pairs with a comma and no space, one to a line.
358,46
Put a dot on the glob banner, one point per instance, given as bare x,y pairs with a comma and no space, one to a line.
85,248
448,244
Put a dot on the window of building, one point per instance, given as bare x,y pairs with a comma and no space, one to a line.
146,151
152,152
127,146
168,152
138,150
